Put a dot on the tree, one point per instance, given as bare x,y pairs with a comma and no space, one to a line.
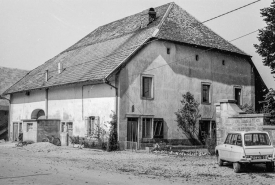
187,117
269,102
266,36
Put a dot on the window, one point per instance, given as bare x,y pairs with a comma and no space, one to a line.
158,128
67,126
168,51
228,139
20,127
205,94
197,57
223,62
233,139
146,127
256,139
91,125
70,125
29,127
147,87
63,127
238,95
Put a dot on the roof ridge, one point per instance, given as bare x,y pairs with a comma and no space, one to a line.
102,41
165,16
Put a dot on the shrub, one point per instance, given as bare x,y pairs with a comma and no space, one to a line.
187,117
211,143
113,144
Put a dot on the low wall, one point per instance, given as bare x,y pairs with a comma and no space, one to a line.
47,127
229,117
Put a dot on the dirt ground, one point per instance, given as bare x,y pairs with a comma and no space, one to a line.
43,163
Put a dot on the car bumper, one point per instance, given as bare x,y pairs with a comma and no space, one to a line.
248,160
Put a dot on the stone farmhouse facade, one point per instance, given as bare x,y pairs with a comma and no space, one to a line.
137,67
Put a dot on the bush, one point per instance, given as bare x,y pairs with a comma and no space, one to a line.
211,143
113,144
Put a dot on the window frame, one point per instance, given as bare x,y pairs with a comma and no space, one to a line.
209,93
152,87
158,123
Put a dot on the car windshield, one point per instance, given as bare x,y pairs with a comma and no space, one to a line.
256,139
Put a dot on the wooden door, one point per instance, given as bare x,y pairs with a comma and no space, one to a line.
15,131
132,129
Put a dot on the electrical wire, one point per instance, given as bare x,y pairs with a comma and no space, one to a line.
230,11
49,71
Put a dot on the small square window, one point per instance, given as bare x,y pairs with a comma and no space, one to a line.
147,87
206,93
29,127
168,51
197,57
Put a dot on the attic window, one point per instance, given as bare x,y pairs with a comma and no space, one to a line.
223,62
168,51
197,57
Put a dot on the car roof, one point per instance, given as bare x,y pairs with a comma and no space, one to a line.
245,132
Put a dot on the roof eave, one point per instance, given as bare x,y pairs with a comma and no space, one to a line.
92,82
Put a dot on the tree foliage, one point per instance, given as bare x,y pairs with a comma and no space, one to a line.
187,117
113,140
269,102
266,36
247,109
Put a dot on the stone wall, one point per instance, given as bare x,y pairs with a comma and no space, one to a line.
229,117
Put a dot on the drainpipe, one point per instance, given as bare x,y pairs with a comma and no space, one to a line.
46,103
116,89
82,99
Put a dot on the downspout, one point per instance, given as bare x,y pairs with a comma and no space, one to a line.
116,107
82,99
46,103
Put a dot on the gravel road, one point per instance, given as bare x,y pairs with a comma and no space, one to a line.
43,163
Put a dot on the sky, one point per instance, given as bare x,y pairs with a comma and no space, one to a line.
34,31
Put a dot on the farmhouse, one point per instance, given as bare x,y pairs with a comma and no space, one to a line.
137,67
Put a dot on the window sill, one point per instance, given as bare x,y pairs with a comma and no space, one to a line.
144,98
204,103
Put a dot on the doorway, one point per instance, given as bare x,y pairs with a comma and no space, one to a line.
132,129
207,128
15,131
238,93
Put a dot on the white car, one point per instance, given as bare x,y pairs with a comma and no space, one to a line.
246,148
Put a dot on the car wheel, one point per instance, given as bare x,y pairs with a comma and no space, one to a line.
269,167
220,162
237,167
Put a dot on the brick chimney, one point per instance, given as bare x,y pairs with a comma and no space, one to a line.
152,15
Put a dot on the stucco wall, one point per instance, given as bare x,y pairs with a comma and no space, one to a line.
231,118
175,74
68,103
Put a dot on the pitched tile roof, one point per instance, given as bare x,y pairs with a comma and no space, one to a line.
9,76
95,56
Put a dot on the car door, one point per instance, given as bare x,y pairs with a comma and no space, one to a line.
225,148
236,148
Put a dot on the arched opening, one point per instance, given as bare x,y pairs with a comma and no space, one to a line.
37,113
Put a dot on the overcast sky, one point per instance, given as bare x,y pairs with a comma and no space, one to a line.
33,31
